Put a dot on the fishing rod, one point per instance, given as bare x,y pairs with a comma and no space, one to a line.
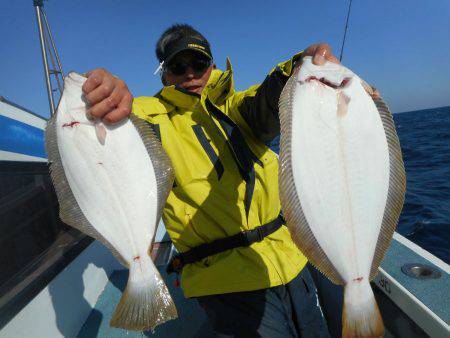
345,30
48,50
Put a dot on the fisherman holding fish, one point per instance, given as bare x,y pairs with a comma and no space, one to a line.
223,214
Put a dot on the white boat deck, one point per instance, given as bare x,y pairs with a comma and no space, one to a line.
426,302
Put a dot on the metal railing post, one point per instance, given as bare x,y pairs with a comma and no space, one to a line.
37,6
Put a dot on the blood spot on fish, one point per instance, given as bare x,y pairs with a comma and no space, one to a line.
311,78
70,124
342,104
344,82
359,279
329,83
136,258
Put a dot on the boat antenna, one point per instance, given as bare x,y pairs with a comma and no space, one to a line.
345,31
48,49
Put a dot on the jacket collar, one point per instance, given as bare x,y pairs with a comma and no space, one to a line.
220,87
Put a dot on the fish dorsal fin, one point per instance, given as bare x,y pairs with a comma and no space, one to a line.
397,186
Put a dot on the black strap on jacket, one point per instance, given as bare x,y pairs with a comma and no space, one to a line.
242,154
241,239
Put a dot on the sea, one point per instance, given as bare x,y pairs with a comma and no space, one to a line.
425,141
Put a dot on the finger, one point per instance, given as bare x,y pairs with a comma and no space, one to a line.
108,104
375,93
333,58
321,53
94,79
367,87
122,110
100,92
311,50
372,91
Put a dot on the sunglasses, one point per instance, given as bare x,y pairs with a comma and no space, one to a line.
180,67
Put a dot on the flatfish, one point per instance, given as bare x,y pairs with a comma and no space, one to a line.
342,182
112,182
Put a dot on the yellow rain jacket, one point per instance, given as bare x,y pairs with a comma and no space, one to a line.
226,179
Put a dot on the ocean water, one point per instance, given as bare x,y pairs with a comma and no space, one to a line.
425,141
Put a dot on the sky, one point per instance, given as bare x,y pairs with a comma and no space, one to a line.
400,47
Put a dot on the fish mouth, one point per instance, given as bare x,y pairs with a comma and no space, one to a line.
329,83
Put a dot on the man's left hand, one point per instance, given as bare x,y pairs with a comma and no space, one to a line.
320,53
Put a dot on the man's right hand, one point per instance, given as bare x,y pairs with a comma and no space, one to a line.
109,96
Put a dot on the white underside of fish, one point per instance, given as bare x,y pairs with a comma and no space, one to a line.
341,181
341,171
108,180
109,187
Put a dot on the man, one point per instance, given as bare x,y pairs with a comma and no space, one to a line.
223,213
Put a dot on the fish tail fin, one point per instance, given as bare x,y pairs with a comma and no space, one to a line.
146,302
361,316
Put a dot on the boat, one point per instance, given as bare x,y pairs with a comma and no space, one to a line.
70,289
58,282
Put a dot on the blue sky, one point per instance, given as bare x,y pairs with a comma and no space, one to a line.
401,47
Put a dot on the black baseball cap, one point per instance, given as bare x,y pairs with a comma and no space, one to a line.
186,43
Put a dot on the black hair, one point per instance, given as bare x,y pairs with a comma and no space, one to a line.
175,33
